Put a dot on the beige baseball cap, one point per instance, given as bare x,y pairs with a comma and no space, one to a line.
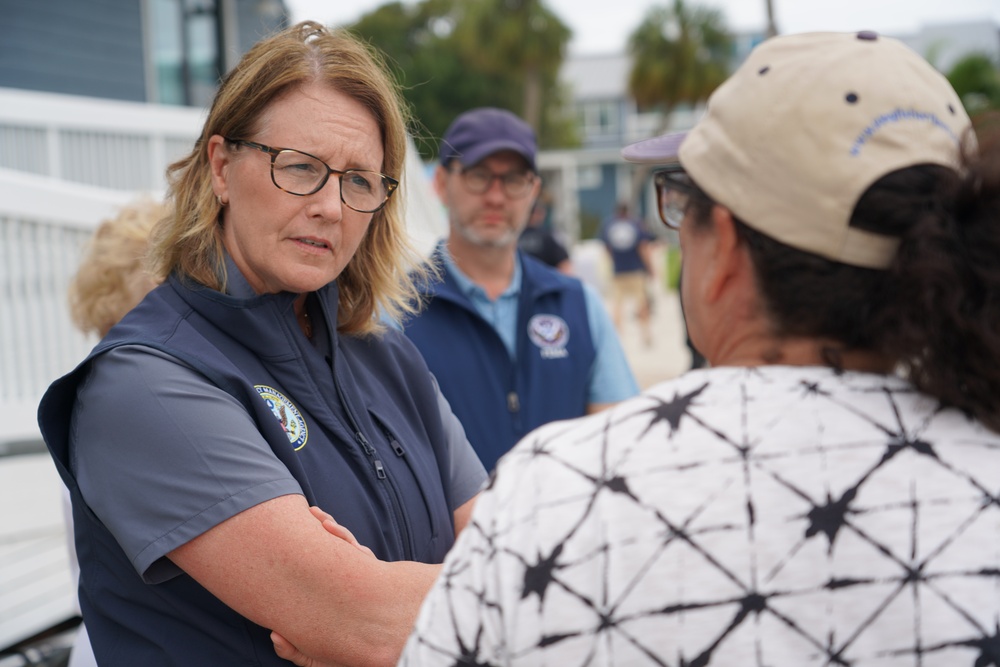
808,122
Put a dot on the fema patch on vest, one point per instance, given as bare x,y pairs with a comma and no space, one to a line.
291,419
550,333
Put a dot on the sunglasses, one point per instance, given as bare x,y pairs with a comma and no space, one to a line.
674,192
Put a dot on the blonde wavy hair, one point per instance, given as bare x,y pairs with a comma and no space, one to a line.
112,277
189,243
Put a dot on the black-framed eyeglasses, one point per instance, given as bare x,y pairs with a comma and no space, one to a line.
478,180
302,174
674,191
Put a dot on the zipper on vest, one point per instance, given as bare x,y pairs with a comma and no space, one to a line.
404,514
405,539
372,454
513,402
358,435
397,516
393,442
401,506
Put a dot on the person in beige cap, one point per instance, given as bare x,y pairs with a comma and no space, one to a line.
825,493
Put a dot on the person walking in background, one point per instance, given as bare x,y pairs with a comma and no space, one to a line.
512,342
539,242
630,246
825,493
111,280
256,390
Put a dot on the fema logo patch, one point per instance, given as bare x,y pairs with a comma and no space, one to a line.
550,333
286,413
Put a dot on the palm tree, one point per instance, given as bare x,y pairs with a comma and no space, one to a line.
976,79
680,54
523,37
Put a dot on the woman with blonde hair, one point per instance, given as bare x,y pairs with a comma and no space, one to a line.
257,382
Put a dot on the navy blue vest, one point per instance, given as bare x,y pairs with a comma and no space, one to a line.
499,400
373,460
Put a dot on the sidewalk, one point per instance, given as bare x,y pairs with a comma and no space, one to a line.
667,357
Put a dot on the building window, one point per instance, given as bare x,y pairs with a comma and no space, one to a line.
186,50
598,118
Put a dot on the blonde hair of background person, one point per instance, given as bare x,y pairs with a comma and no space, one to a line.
112,277
190,241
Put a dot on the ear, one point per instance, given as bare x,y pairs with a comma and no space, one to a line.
219,159
440,183
536,188
728,264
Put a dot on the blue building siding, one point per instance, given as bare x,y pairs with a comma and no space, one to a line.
78,47
252,26
95,48
598,203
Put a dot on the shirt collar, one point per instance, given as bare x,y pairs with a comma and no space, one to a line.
470,288
236,283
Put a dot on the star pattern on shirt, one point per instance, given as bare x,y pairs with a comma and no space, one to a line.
594,611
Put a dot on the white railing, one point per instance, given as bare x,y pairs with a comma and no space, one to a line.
44,224
52,147
66,164
120,145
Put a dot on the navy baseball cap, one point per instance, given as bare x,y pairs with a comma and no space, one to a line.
479,133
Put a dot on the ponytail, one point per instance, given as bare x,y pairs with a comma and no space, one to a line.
941,316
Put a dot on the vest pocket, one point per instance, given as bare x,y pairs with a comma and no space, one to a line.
421,492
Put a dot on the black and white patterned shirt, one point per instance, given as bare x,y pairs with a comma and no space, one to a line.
776,516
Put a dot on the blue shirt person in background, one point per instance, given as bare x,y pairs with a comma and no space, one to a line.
630,244
513,343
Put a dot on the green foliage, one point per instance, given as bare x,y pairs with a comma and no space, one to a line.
672,266
453,55
976,79
680,55
590,224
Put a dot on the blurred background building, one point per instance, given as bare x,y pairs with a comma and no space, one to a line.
158,51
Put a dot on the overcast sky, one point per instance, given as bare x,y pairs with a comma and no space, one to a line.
602,26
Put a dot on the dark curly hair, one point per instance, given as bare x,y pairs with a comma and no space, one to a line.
935,311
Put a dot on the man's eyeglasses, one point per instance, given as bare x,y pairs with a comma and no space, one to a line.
478,180
302,174
674,191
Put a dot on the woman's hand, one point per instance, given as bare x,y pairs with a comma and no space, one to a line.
335,529
286,651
